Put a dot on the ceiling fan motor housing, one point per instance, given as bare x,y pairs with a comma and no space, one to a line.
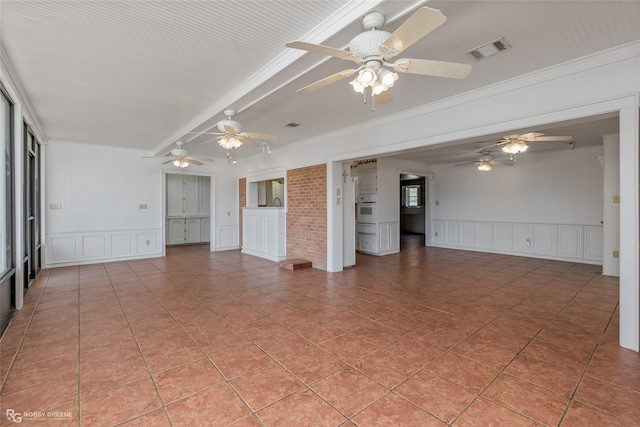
179,152
367,44
223,126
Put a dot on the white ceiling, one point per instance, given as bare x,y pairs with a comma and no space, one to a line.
143,74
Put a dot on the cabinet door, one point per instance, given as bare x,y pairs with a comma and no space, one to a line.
175,205
367,242
205,196
192,227
367,183
205,229
175,231
191,195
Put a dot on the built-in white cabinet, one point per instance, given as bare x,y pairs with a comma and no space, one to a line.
367,182
188,209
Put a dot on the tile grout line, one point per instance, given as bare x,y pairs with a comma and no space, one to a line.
23,335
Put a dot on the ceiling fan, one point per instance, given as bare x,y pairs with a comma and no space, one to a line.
485,162
373,49
180,158
516,144
231,136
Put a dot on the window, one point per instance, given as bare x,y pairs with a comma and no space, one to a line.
412,196
6,184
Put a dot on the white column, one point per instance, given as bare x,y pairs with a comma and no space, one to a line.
629,236
611,208
334,217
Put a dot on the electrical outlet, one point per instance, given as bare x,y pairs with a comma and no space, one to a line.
142,206
55,206
228,213
148,242
616,254
436,234
437,202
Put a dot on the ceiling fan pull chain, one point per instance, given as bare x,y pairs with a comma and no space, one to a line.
373,102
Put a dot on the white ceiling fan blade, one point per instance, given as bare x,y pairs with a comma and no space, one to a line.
384,97
325,50
506,162
327,80
466,164
418,25
199,158
550,138
205,133
526,136
489,147
229,129
428,67
193,161
258,136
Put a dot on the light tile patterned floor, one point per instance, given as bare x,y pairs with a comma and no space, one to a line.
427,337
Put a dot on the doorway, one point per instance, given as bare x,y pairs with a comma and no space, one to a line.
188,209
413,202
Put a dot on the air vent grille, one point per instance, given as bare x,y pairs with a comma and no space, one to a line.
489,49
292,125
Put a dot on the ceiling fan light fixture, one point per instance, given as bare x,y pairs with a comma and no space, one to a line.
229,142
356,85
378,88
180,163
515,147
387,78
367,77
485,167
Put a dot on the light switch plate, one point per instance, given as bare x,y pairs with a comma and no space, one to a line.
55,205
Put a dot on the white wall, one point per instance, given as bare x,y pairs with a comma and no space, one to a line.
547,205
563,187
100,190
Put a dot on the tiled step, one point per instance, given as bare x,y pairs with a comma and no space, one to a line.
295,264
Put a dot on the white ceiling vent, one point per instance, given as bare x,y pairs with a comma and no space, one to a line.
489,49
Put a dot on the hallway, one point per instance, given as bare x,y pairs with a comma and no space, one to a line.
426,337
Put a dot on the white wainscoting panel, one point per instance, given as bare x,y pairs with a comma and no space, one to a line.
486,234
76,248
523,238
95,247
593,243
468,234
451,232
388,242
64,248
504,236
570,241
264,233
565,242
122,245
437,228
148,243
546,239
227,237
